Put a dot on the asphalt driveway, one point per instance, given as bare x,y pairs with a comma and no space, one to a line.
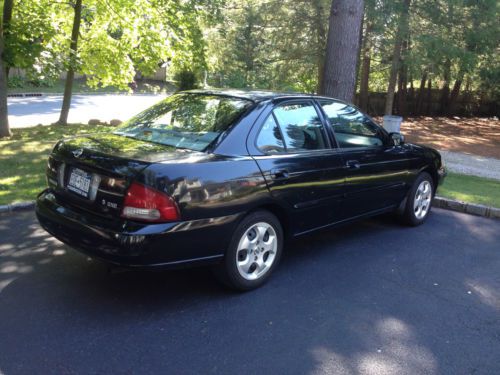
372,297
45,110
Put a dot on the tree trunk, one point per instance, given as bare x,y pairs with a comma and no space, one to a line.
429,98
420,97
445,90
402,94
396,55
444,100
8,5
468,84
320,40
321,71
403,81
411,96
364,87
360,43
342,49
455,92
4,114
68,86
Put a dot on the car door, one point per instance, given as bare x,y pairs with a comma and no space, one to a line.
376,170
302,169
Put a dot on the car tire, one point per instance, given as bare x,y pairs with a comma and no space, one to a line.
419,200
253,253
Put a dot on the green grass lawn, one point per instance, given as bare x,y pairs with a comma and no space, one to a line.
471,189
23,158
79,86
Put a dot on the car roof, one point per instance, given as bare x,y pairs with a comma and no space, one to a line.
254,95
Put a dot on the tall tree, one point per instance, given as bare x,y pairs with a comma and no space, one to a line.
73,49
421,92
401,35
365,66
319,28
119,38
403,80
8,6
342,50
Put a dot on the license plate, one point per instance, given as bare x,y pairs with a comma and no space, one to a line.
79,182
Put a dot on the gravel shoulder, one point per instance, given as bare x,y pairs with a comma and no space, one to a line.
473,165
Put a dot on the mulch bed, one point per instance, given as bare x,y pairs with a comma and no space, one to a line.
477,136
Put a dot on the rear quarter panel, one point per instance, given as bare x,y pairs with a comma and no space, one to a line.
209,185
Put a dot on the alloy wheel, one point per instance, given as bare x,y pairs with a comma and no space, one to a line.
423,197
256,251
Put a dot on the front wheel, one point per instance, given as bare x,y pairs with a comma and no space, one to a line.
254,252
419,201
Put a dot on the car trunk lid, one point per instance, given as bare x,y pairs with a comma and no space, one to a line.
94,172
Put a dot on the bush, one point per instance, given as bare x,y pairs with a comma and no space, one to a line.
16,82
41,81
186,80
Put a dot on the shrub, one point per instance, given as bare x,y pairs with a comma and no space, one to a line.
16,82
41,81
186,80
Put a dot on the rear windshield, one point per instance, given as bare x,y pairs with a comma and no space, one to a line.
190,121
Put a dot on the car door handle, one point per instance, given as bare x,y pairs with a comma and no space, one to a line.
279,174
353,164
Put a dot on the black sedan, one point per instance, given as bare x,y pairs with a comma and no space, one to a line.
224,177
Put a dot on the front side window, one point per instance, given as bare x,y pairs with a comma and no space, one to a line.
296,127
190,121
352,128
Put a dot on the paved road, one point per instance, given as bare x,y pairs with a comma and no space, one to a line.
45,110
373,297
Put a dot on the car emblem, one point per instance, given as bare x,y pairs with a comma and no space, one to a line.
77,153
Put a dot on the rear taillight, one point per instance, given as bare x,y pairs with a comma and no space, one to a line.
147,204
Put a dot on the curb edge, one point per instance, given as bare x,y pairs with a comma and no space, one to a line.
19,206
466,208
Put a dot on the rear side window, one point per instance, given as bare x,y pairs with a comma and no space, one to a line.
292,127
352,128
270,139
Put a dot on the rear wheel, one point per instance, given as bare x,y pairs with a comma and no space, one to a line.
419,201
254,252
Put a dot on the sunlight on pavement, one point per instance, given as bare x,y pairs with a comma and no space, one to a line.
486,294
21,257
395,351
470,224
329,362
5,283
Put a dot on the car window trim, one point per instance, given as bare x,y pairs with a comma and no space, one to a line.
362,148
326,123
322,152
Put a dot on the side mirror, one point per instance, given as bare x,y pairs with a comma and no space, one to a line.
397,138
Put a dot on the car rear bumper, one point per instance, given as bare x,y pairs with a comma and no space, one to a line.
134,244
